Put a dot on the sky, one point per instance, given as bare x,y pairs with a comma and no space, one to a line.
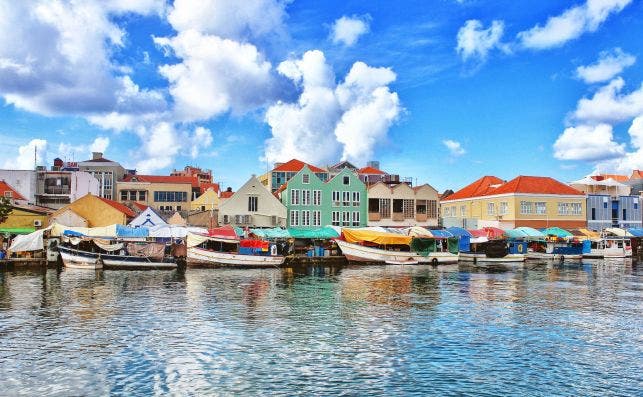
442,91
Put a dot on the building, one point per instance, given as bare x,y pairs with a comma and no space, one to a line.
283,172
147,218
97,211
107,172
203,176
22,181
252,205
636,183
24,219
207,201
533,201
402,205
56,189
372,174
609,202
312,202
166,194
339,167
7,191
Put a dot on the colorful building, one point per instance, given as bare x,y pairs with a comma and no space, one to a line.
533,201
207,201
24,219
22,181
7,191
57,188
252,205
283,172
163,193
312,202
402,205
97,211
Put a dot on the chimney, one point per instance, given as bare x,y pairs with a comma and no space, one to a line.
229,189
97,155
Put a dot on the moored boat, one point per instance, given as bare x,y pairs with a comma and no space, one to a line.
481,250
81,259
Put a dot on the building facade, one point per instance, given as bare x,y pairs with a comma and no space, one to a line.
165,194
98,211
283,172
107,172
313,203
23,181
252,205
402,205
532,201
56,189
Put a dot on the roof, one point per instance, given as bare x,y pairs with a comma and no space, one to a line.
295,165
140,206
475,189
5,187
370,171
34,208
98,160
616,177
206,185
120,207
192,180
637,174
226,194
536,185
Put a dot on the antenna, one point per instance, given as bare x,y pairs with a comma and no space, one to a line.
35,156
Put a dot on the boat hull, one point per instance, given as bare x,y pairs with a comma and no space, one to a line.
482,258
554,257
203,257
608,254
90,260
359,253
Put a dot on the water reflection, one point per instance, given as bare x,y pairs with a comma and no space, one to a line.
536,329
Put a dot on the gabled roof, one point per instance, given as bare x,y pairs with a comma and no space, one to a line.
33,208
98,160
5,187
475,189
226,194
370,171
120,207
344,164
295,165
637,174
536,185
206,185
192,180
616,177
140,206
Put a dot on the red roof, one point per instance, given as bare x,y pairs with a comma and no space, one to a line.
162,179
616,177
475,189
637,174
5,187
140,206
226,232
121,207
370,171
295,165
226,194
206,185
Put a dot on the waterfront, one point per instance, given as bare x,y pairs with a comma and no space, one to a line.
384,330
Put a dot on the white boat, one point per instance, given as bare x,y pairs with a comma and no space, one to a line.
610,248
360,253
78,259
545,256
202,256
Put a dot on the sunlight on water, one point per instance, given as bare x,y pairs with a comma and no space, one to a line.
390,330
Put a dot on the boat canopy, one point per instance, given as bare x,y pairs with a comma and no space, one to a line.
636,231
493,232
320,233
514,233
439,233
459,232
530,232
381,238
618,232
225,234
558,232
17,230
28,242
276,232
106,231
126,231
585,233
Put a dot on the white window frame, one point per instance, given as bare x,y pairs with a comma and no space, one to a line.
463,211
355,218
526,207
503,208
316,197
337,198
305,179
491,208
356,199
316,218
346,198
336,220
346,218
294,197
305,218
305,197
540,208
294,217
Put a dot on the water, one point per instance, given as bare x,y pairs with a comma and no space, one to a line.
393,330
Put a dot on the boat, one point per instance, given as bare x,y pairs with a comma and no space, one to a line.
221,247
610,247
556,250
81,259
361,245
484,248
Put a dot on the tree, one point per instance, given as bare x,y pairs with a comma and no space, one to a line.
5,209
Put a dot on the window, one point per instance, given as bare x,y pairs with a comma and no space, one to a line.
142,195
335,219
316,197
305,218
316,218
226,219
577,209
346,180
385,208
356,199
294,197
398,206
294,218
169,197
203,208
420,206
305,197
336,198
593,214
305,178
503,209
346,218
408,208
123,195
252,203
491,209
463,211
355,218
433,209
346,199
541,208
605,204
624,214
132,195
526,207
8,194
178,208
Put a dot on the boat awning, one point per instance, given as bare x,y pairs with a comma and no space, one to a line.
513,233
530,232
618,232
558,232
320,233
459,232
493,232
416,231
28,242
105,231
440,233
381,238
272,233
585,233
126,231
636,231
226,232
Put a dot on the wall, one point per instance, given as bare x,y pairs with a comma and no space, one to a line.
95,211
20,218
404,192
23,181
209,199
268,206
157,187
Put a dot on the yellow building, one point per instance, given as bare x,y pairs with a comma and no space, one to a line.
25,219
207,201
533,201
162,193
98,211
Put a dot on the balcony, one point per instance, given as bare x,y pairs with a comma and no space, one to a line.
56,190
374,216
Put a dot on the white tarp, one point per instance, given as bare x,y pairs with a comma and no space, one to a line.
29,242
105,231
174,231
148,218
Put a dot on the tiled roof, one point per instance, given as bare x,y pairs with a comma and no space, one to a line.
295,165
162,179
140,206
370,171
616,177
34,208
225,194
5,187
475,189
536,185
637,174
206,185
121,207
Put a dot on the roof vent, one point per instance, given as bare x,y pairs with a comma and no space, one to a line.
97,155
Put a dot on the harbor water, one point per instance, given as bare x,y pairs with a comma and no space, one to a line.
539,330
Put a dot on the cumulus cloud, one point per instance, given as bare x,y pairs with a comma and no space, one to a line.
35,150
100,144
455,148
201,138
588,143
474,41
571,24
632,159
609,64
329,118
608,104
347,30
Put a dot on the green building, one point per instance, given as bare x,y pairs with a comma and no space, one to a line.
313,203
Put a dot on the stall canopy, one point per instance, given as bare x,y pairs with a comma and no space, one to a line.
493,232
636,231
381,238
618,232
459,232
558,232
28,242
530,232
125,231
439,233
272,233
321,233
478,233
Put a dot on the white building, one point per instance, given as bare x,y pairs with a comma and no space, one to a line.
252,205
56,189
23,181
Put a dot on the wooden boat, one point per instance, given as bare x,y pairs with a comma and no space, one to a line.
494,251
79,259
202,256
557,250
361,253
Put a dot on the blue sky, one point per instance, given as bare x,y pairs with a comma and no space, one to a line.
441,91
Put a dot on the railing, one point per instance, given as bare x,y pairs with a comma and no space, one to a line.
57,190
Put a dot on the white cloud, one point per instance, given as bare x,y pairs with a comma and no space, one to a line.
454,147
35,150
609,64
200,139
571,24
347,30
351,118
632,159
100,144
588,143
609,105
160,143
476,41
